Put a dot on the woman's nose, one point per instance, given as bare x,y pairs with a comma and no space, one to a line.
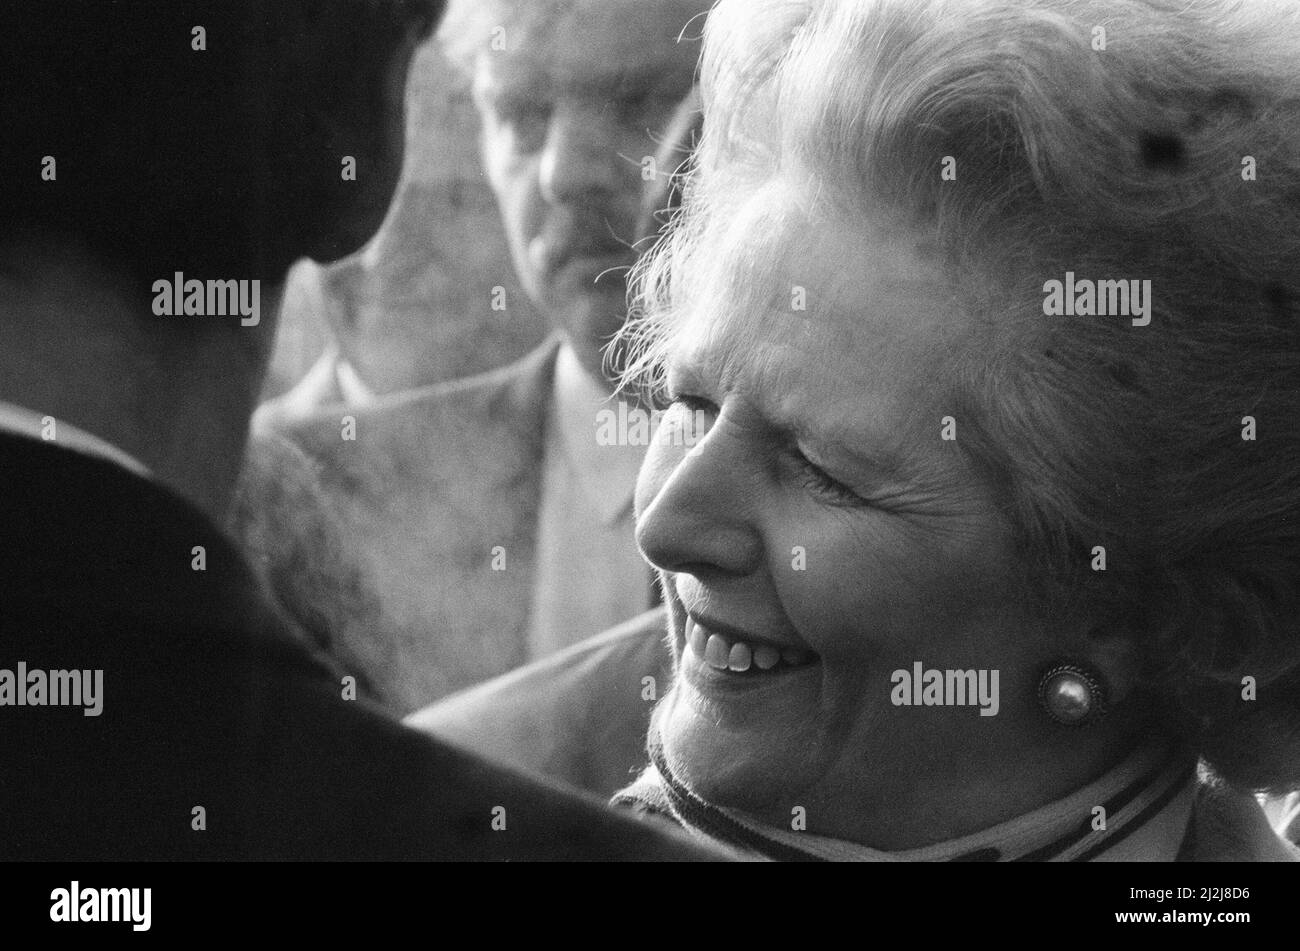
699,517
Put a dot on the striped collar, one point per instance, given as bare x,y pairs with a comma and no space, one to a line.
1147,799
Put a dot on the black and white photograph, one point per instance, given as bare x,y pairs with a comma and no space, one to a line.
649,431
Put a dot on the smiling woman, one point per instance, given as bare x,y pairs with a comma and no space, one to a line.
853,296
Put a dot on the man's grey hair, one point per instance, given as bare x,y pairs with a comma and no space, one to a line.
471,27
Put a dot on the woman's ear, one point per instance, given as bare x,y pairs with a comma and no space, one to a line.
1117,659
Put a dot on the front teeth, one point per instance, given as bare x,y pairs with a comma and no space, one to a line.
740,658
716,652
765,657
721,654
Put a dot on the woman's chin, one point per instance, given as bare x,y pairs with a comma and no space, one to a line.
755,767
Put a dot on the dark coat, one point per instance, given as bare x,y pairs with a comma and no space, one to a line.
211,700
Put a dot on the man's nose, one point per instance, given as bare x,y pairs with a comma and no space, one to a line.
580,161
702,519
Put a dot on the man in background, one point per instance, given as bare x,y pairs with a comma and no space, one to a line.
490,518
164,165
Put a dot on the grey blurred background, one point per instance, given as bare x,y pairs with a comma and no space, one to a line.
418,297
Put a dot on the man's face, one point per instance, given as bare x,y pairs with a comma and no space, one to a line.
572,108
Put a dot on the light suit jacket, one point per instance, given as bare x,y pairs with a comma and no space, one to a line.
402,533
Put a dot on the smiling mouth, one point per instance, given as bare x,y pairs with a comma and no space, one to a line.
734,654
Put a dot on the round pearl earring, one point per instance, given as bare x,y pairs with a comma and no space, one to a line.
1072,695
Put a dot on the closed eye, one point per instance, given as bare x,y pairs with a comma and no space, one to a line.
694,403
822,483
691,418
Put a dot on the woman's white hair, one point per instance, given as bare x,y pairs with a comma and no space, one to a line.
1153,139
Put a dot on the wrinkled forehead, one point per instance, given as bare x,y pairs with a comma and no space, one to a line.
590,45
777,266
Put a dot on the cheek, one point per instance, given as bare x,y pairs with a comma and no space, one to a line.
870,584
822,572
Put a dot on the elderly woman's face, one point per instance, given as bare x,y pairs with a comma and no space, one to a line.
821,533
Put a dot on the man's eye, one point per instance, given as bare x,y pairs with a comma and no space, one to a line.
520,110
525,118
820,482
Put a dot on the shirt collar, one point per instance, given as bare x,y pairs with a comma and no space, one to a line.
351,387
606,474
21,421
